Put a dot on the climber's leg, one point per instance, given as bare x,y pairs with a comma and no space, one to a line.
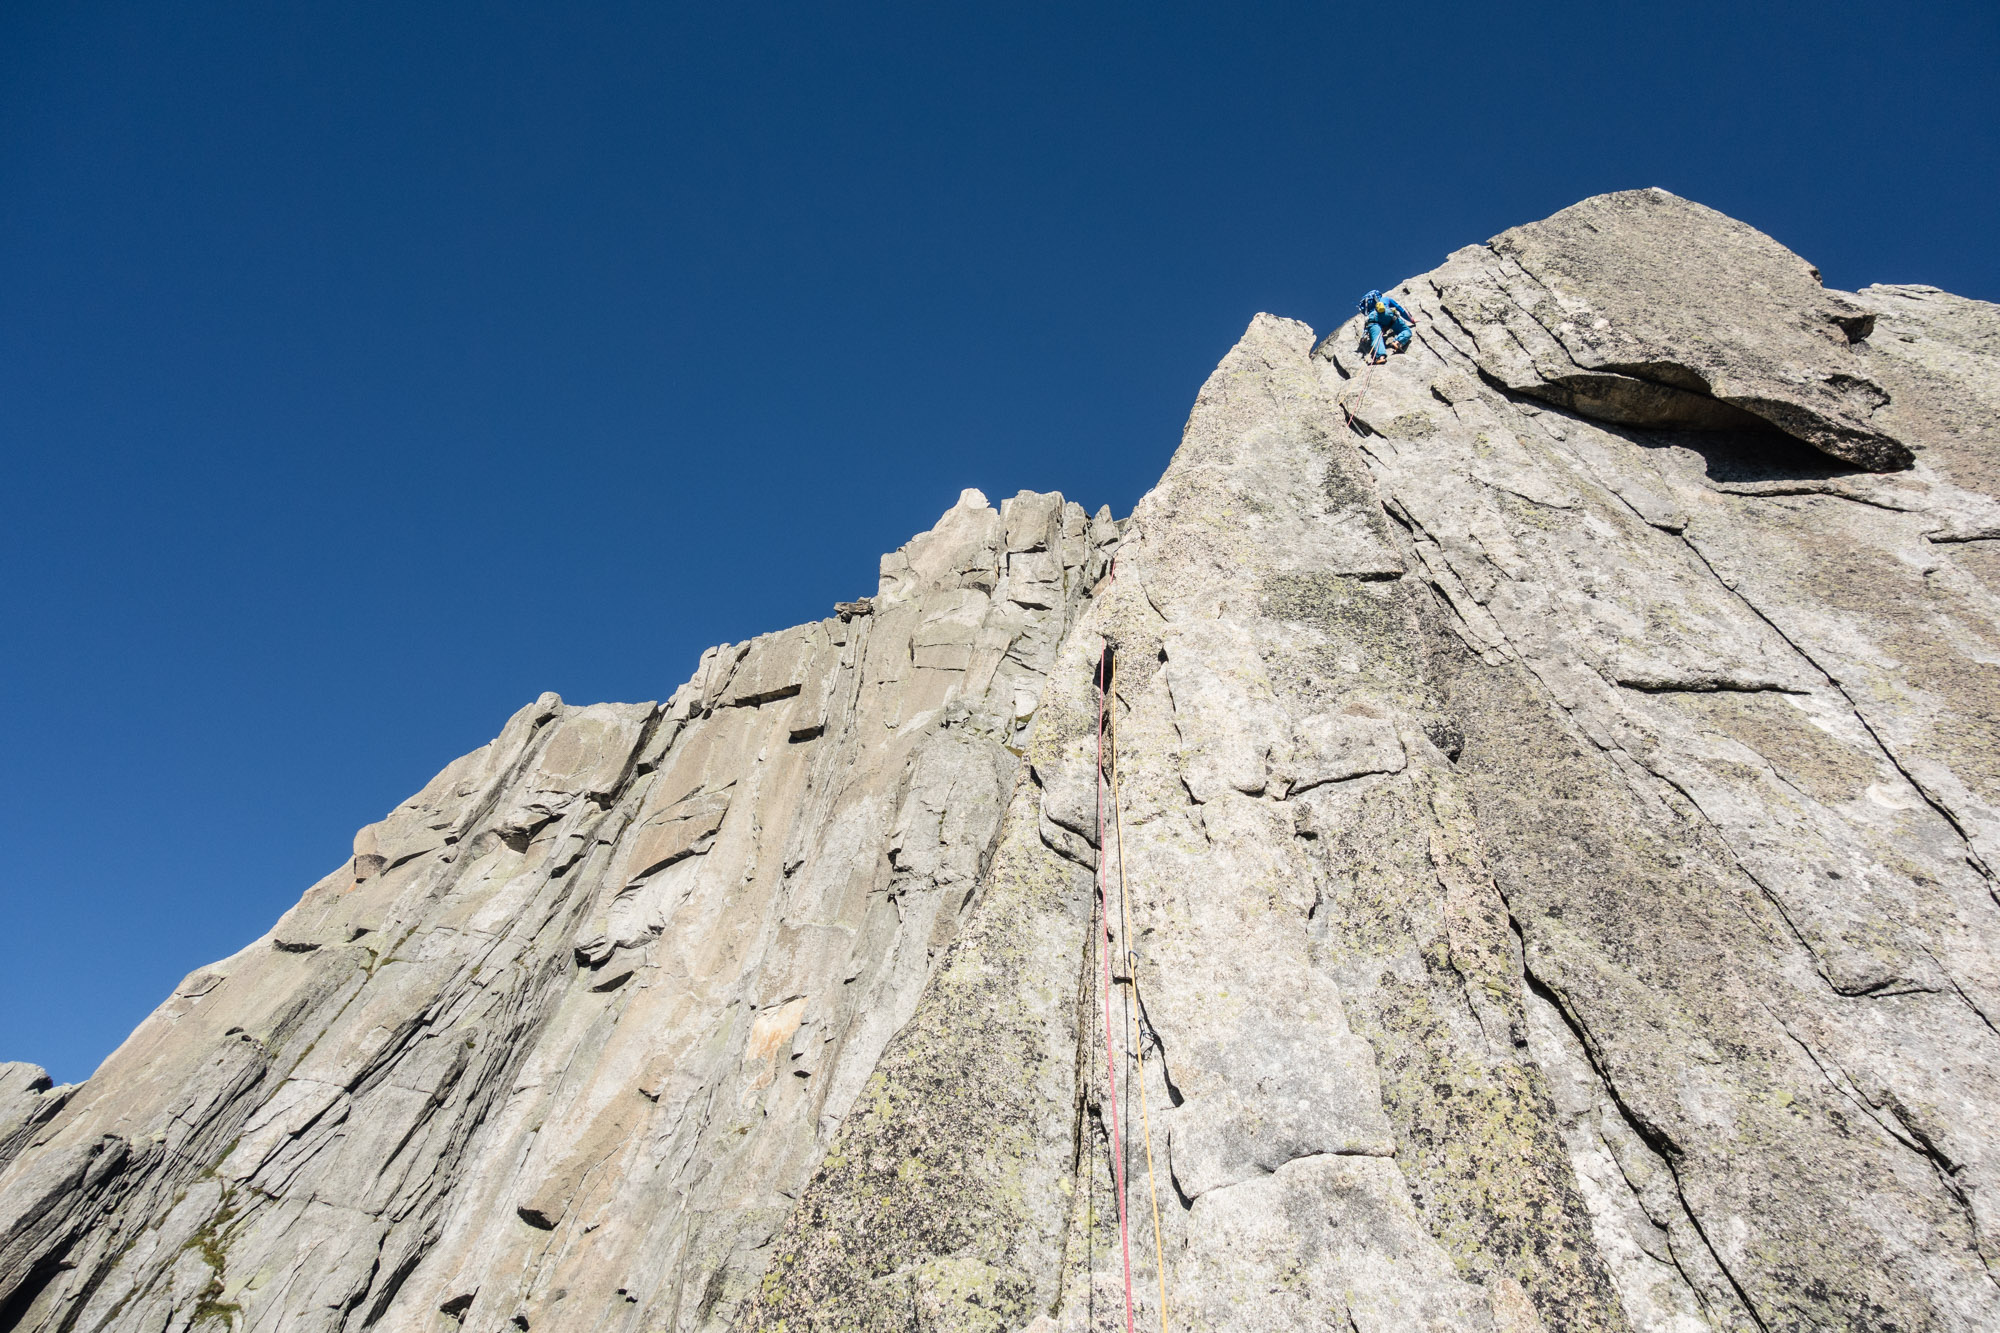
1376,352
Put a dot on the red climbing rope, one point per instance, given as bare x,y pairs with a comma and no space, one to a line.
1110,1066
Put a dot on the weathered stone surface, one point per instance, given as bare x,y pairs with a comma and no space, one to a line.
1265,636
1618,796
1646,309
28,1097
560,1045
1554,797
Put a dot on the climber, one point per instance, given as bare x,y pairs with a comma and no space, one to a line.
1386,320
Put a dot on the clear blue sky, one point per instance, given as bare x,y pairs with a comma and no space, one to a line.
367,369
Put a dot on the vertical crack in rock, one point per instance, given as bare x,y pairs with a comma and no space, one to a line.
1930,798
1721,1298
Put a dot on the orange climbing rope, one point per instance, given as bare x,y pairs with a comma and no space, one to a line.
1104,920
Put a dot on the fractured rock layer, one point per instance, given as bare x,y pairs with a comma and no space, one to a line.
1561,881
1556,803
559,1044
1646,309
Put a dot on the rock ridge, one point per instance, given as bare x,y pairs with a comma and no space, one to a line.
611,976
1556,797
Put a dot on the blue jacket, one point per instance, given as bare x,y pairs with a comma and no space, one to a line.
1385,311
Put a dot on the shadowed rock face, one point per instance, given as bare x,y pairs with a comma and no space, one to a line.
1557,807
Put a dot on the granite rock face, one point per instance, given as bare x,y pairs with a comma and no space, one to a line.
560,1043
1558,852
1646,309
1546,795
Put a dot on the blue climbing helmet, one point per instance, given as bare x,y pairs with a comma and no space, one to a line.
1368,301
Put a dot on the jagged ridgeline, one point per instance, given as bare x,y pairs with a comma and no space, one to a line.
1549,873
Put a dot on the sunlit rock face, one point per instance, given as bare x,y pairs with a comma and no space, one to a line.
573,1027
1549,865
